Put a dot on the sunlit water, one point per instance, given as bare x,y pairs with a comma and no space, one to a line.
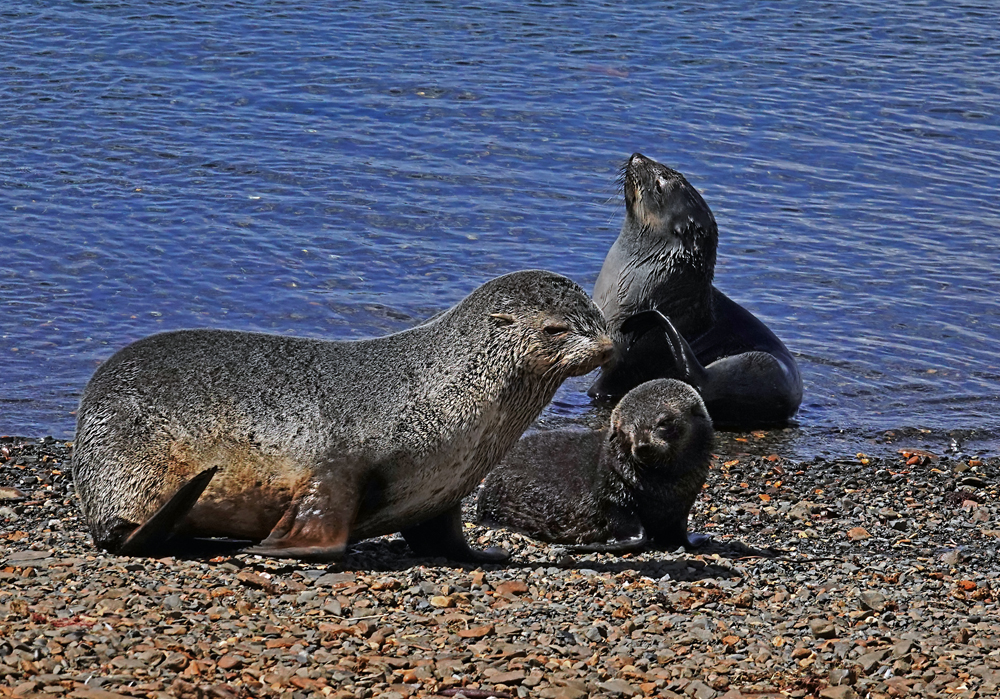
344,171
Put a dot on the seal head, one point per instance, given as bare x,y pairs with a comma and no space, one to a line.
661,436
664,257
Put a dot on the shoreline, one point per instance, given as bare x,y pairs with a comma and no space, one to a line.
828,577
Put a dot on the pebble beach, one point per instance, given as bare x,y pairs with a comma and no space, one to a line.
862,576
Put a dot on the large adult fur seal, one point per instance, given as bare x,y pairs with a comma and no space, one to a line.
309,444
609,489
664,259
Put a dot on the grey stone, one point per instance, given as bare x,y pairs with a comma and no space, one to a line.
331,579
902,649
700,690
26,556
823,628
875,601
869,661
618,687
842,675
841,691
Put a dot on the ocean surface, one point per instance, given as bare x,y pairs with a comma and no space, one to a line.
342,170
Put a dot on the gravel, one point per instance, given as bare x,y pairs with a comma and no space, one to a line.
837,578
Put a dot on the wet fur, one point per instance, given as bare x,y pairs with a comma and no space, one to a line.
664,259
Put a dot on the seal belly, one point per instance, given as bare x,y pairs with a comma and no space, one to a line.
249,494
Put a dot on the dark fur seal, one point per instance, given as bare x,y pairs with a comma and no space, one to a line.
309,444
613,488
664,259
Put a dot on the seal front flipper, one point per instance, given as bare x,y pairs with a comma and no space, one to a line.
650,348
155,534
316,526
686,362
669,533
442,536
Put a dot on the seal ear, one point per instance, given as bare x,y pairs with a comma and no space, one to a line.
502,320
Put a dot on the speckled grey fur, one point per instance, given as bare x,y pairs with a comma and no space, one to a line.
641,474
407,424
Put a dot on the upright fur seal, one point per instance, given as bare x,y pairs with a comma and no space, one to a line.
309,444
613,488
664,260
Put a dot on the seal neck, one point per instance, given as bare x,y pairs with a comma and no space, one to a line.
680,276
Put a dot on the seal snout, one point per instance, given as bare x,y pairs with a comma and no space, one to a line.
598,353
632,180
605,350
643,450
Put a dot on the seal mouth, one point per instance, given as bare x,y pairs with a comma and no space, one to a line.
636,177
600,355
648,454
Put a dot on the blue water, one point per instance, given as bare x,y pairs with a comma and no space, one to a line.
342,170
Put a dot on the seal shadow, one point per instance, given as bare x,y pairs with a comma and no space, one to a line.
195,549
391,554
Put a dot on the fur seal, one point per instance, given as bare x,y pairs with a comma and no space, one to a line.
664,260
610,489
308,444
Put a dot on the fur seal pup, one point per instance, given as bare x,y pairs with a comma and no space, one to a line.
664,259
310,444
610,489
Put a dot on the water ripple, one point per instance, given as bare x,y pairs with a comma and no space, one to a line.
344,171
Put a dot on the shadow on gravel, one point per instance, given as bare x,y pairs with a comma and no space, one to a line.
394,556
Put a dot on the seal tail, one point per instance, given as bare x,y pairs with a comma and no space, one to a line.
157,531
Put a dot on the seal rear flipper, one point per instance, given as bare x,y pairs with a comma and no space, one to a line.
636,542
751,389
755,380
154,535
316,526
443,536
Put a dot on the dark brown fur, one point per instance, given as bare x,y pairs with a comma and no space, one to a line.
608,487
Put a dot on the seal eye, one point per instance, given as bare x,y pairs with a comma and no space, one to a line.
668,429
555,330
